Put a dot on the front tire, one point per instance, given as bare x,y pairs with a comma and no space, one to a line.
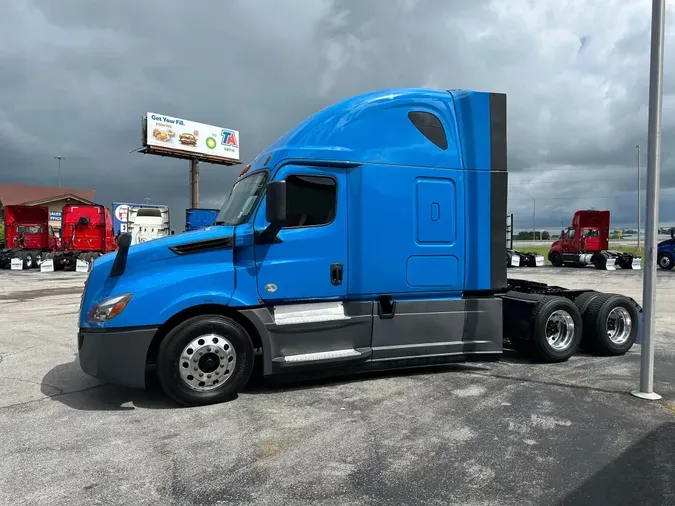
665,261
556,259
205,360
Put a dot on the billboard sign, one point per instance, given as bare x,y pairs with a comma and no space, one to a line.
188,139
120,215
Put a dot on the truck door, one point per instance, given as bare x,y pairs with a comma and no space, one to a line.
303,275
569,244
308,259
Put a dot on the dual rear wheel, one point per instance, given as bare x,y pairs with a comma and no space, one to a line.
602,323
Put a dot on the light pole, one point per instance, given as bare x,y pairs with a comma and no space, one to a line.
646,390
534,215
59,158
638,196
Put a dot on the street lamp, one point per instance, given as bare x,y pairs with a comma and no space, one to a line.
646,390
59,158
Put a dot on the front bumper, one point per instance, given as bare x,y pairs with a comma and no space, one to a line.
115,355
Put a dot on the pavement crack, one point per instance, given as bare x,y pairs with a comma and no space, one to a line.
5,355
48,397
33,383
559,382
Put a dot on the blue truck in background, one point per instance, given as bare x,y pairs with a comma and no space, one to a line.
197,218
666,252
369,236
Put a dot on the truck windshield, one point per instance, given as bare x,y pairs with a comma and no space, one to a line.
244,195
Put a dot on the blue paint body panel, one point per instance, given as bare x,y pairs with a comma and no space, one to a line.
413,220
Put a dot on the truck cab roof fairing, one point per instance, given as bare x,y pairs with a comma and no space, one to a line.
371,128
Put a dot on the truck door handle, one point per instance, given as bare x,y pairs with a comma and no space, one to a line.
336,274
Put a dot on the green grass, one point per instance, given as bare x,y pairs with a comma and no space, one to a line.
543,250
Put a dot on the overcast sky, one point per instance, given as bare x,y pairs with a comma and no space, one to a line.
77,75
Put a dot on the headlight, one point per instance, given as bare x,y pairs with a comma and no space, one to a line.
109,308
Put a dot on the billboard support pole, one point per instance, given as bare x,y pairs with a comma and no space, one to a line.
194,183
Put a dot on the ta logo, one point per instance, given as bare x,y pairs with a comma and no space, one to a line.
229,138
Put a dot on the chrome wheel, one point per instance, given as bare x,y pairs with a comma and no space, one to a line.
560,330
619,325
207,362
664,262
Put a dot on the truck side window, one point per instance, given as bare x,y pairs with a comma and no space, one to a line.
429,126
310,201
570,233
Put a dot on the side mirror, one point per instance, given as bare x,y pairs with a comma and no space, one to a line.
275,211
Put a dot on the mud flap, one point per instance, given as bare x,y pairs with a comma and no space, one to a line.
515,260
611,264
47,265
539,261
82,265
16,264
636,263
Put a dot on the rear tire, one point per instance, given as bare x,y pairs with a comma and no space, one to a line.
556,259
37,258
611,323
665,261
557,328
27,257
177,350
582,302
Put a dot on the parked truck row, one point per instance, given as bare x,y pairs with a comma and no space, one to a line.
87,232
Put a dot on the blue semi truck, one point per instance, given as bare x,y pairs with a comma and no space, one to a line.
197,218
370,236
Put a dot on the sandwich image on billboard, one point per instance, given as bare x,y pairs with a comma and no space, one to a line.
186,138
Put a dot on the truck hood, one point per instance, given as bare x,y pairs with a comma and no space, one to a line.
160,249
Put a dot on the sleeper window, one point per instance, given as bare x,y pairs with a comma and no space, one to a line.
429,126
310,201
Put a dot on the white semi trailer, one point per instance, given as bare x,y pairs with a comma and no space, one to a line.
148,223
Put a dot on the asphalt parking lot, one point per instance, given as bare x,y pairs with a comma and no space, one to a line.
504,433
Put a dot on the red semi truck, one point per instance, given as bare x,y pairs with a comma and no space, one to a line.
86,234
586,242
28,236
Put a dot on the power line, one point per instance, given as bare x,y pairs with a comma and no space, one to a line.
663,192
632,178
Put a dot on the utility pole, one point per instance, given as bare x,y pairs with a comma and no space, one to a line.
59,158
147,200
646,390
638,196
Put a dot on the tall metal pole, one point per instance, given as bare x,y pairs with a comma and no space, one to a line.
638,196
653,173
194,184
59,158
534,219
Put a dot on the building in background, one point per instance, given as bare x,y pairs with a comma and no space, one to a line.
52,197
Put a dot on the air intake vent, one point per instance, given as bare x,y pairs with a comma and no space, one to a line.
202,246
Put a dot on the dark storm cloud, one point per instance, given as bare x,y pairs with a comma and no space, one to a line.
77,76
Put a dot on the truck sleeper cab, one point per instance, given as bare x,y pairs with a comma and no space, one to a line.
370,236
